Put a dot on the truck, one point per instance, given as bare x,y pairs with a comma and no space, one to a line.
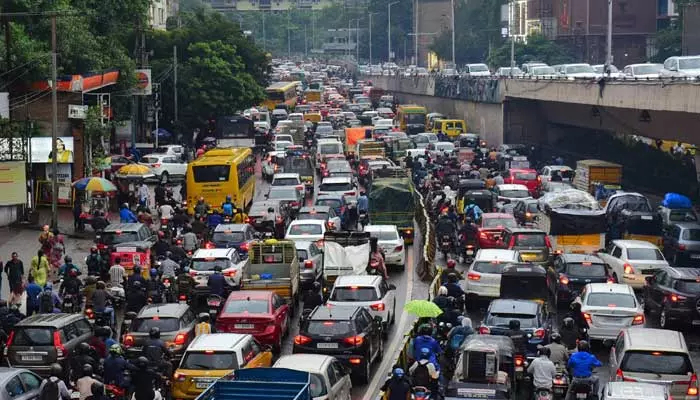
392,201
592,173
260,383
235,131
344,253
274,266
369,147
296,129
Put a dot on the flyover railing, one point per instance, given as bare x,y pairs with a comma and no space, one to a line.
426,258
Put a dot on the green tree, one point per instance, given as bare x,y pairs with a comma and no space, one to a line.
538,48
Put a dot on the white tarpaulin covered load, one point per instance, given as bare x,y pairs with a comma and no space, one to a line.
348,260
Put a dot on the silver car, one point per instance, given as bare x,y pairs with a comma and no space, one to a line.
18,384
609,308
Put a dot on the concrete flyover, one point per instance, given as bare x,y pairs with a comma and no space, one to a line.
538,110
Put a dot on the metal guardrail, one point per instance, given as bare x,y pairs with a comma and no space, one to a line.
426,263
661,80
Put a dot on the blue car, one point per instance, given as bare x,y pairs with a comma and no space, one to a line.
337,202
531,314
236,236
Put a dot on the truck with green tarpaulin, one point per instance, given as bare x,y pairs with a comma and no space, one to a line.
392,201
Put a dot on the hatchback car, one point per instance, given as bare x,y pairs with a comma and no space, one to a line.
632,261
329,379
533,245
369,291
508,193
526,177
205,261
491,229
115,234
484,274
674,295
577,270
347,333
261,313
43,339
306,230
212,356
176,322
288,179
19,384
391,242
422,140
608,308
681,244
310,256
531,314
321,213
237,236
525,211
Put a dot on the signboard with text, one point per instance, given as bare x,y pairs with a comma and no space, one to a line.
41,149
13,183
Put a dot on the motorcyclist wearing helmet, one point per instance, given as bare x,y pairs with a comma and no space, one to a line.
68,266
542,370
376,256
313,297
97,391
558,352
157,352
94,262
451,269
102,340
84,355
115,365
227,207
204,326
429,372
71,285
577,315
126,215
49,302
518,336
84,383
568,333
136,298
398,387
217,282
453,288
168,266
100,299
54,383
446,227
425,340
214,219
155,287
184,283
581,365
442,300
143,381
162,245
135,277
201,208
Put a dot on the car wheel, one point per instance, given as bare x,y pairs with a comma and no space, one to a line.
664,322
164,178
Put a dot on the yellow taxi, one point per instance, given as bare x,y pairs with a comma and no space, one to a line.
212,356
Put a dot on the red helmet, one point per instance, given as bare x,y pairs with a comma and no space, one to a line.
451,263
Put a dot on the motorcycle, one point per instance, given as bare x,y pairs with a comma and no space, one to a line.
214,303
560,383
543,394
70,304
118,295
168,292
583,391
446,245
421,393
129,317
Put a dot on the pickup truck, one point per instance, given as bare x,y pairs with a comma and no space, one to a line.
260,383
274,266
344,253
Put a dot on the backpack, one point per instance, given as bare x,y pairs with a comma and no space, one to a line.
50,390
46,302
421,375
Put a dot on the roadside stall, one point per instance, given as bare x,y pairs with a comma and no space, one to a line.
97,196
126,179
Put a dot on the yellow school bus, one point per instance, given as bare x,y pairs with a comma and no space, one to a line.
219,173
281,92
411,118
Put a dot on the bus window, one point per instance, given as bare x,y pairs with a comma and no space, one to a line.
211,173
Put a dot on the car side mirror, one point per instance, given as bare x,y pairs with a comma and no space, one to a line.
392,286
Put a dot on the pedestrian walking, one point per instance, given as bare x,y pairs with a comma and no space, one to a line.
40,268
46,239
15,271
143,194
58,249
33,292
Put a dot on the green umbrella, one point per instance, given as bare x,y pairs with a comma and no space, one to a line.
422,308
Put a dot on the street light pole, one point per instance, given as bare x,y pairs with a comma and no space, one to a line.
608,55
415,29
370,38
263,28
389,30
357,40
454,63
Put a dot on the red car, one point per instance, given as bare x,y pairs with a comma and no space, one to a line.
527,177
261,313
492,227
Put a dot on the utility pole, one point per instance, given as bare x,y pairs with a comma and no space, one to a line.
454,62
54,126
289,35
389,30
415,29
313,30
357,40
348,51
156,108
608,53
370,38
263,26
175,83
306,44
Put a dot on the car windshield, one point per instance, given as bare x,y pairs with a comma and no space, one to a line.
682,216
329,328
619,300
688,286
164,324
302,254
305,229
228,237
111,238
532,208
283,193
577,69
354,293
208,264
415,118
335,187
149,160
238,306
525,176
647,69
282,146
515,194
384,235
543,71
285,182
656,362
324,130
335,203
362,100
691,234
33,337
478,68
488,267
689,63
211,173
503,319
209,361
330,148
320,216
585,270
499,223
644,254
530,239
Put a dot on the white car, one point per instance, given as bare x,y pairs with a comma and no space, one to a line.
329,379
506,71
205,260
369,291
608,308
440,148
614,72
574,71
165,166
509,193
477,70
282,137
548,171
632,261
338,185
642,71
280,149
173,149
391,243
681,67
383,123
544,71
298,117
422,140
306,230
289,179
483,279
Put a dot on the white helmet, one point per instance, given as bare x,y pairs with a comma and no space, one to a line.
442,291
447,189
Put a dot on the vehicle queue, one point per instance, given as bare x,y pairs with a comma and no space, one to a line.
212,286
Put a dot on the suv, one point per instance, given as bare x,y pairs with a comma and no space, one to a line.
348,333
43,339
576,270
205,260
681,244
533,245
165,166
287,179
115,234
484,274
674,294
655,355
632,260
322,213
533,319
210,357
176,322
237,236
369,291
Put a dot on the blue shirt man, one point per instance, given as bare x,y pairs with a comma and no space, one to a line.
362,203
33,291
214,219
582,363
127,216
425,341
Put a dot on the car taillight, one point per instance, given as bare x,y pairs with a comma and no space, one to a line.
209,245
681,247
230,273
156,165
539,333
693,386
377,306
398,248
180,339
355,360
294,204
9,342
354,340
128,340
300,187
301,339
564,280
558,381
588,318
483,235
192,273
179,377
308,264
628,268
473,276
247,220
89,313
349,193
547,242
638,319
611,280
484,330
519,361
676,298
620,377
244,247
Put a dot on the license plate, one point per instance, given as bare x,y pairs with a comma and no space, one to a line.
243,326
91,321
581,396
558,390
518,369
202,385
470,252
327,345
31,358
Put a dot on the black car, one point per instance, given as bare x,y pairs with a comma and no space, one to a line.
576,270
237,236
532,316
674,294
347,333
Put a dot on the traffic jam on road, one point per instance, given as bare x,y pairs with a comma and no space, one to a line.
292,244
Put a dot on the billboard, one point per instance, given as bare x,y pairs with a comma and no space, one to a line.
41,149
13,183
144,85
